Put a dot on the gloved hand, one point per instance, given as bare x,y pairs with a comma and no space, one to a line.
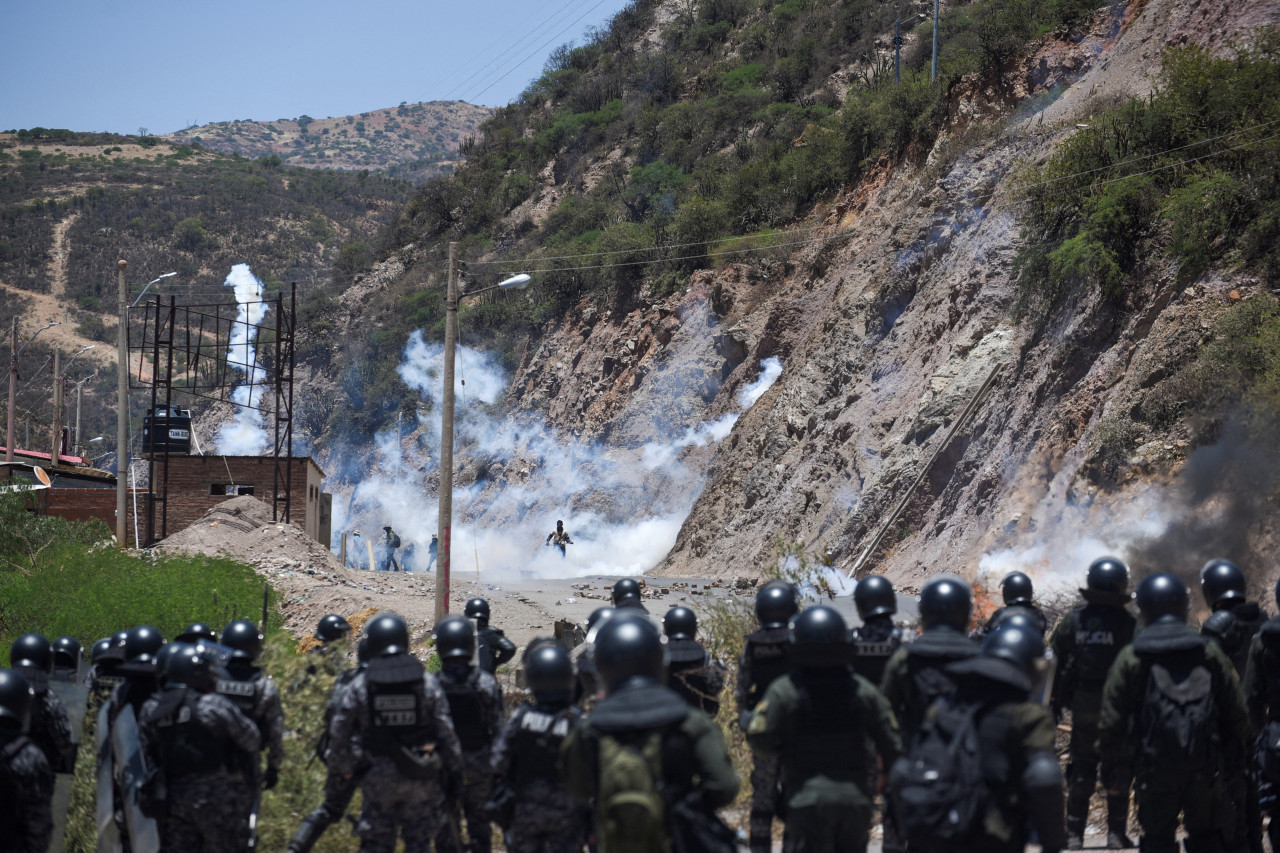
270,778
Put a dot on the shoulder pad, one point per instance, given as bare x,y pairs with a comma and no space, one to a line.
1221,624
395,669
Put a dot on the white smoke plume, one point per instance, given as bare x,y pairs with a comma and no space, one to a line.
516,476
245,434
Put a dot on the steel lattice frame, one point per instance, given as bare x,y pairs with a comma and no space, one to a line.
201,337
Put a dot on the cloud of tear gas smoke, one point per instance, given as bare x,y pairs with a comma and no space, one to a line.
659,454
245,434
1213,509
516,477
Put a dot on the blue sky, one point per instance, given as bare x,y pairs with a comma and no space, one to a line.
121,65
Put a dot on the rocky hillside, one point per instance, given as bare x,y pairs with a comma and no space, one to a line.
978,242
411,141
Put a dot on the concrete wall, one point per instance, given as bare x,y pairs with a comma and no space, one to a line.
198,483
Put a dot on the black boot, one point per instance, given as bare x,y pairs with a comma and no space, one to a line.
1118,823
307,835
1075,832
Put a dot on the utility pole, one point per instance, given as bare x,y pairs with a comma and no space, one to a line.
122,408
445,524
897,51
57,408
933,74
77,446
13,392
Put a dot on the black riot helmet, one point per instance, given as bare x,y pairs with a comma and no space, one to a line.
1162,597
874,596
186,666
1020,645
455,638
1108,575
1222,583
32,650
66,652
142,644
1015,617
549,674
819,638
478,609
362,651
332,627
776,602
243,638
1016,589
598,614
624,589
16,699
166,653
197,632
387,634
680,623
946,600
117,640
100,650
628,647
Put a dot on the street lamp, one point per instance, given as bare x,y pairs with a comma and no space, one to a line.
13,382
144,290
79,353
444,532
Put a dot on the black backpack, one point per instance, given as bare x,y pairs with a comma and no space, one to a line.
939,788
1178,722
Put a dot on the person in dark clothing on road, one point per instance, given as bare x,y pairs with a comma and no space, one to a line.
691,671
26,779
877,638
493,649
1085,644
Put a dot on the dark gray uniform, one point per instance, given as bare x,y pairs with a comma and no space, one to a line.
693,674
544,819
393,726
205,748
50,728
493,648
874,642
338,789
26,790
254,693
766,657
475,706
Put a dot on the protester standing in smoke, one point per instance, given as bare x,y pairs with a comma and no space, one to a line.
560,538
432,551
357,546
390,542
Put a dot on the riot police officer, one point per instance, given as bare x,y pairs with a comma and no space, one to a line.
66,659
827,725
50,727
766,657
626,594
254,692
587,685
1235,619
691,671
1262,697
204,747
197,632
1085,644
529,795
916,674
1018,593
393,728
338,788
1173,707
26,779
475,706
877,638
493,646
642,738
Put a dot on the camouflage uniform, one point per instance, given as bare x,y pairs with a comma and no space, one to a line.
204,746
765,658
26,791
545,818
255,694
475,706
818,723
50,726
363,736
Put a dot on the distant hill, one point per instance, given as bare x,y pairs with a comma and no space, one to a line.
411,141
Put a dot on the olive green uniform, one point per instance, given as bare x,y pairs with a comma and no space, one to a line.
827,727
1168,783
916,675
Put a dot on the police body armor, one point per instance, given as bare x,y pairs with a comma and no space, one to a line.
1098,634
874,643
831,738
770,654
398,714
537,745
241,687
11,820
186,746
467,708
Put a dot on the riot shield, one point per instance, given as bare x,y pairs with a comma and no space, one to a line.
144,835
75,698
108,834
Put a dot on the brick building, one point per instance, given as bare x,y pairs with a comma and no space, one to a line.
198,483
86,495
